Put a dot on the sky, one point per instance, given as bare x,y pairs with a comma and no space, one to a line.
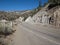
13,5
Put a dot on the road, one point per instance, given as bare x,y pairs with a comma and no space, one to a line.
28,34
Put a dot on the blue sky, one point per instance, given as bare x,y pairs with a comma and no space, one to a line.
11,5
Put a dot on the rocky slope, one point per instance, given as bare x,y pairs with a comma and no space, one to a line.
48,11
16,14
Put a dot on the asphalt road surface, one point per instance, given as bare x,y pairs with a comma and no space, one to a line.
28,34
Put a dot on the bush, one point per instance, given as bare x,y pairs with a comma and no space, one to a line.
5,29
4,41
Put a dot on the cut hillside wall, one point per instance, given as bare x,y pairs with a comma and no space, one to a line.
57,17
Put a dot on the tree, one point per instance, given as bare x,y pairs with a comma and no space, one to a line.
40,3
54,1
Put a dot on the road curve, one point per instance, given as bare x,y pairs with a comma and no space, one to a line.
27,34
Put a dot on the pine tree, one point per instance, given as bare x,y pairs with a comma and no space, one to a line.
40,3
54,1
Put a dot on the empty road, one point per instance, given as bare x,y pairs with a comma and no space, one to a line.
28,34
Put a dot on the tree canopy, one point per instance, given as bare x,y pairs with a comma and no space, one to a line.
54,1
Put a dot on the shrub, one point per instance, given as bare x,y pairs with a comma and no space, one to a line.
5,29
4,41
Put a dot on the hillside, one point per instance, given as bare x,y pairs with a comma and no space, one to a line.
48,14
16,14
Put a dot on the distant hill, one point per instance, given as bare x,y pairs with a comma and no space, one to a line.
12,15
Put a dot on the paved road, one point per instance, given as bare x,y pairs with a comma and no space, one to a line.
27,34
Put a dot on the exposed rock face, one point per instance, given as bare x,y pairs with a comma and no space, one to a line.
57,17
44,15
29,20
41,17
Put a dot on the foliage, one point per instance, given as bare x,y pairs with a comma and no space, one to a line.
4,42
5,29
54,1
